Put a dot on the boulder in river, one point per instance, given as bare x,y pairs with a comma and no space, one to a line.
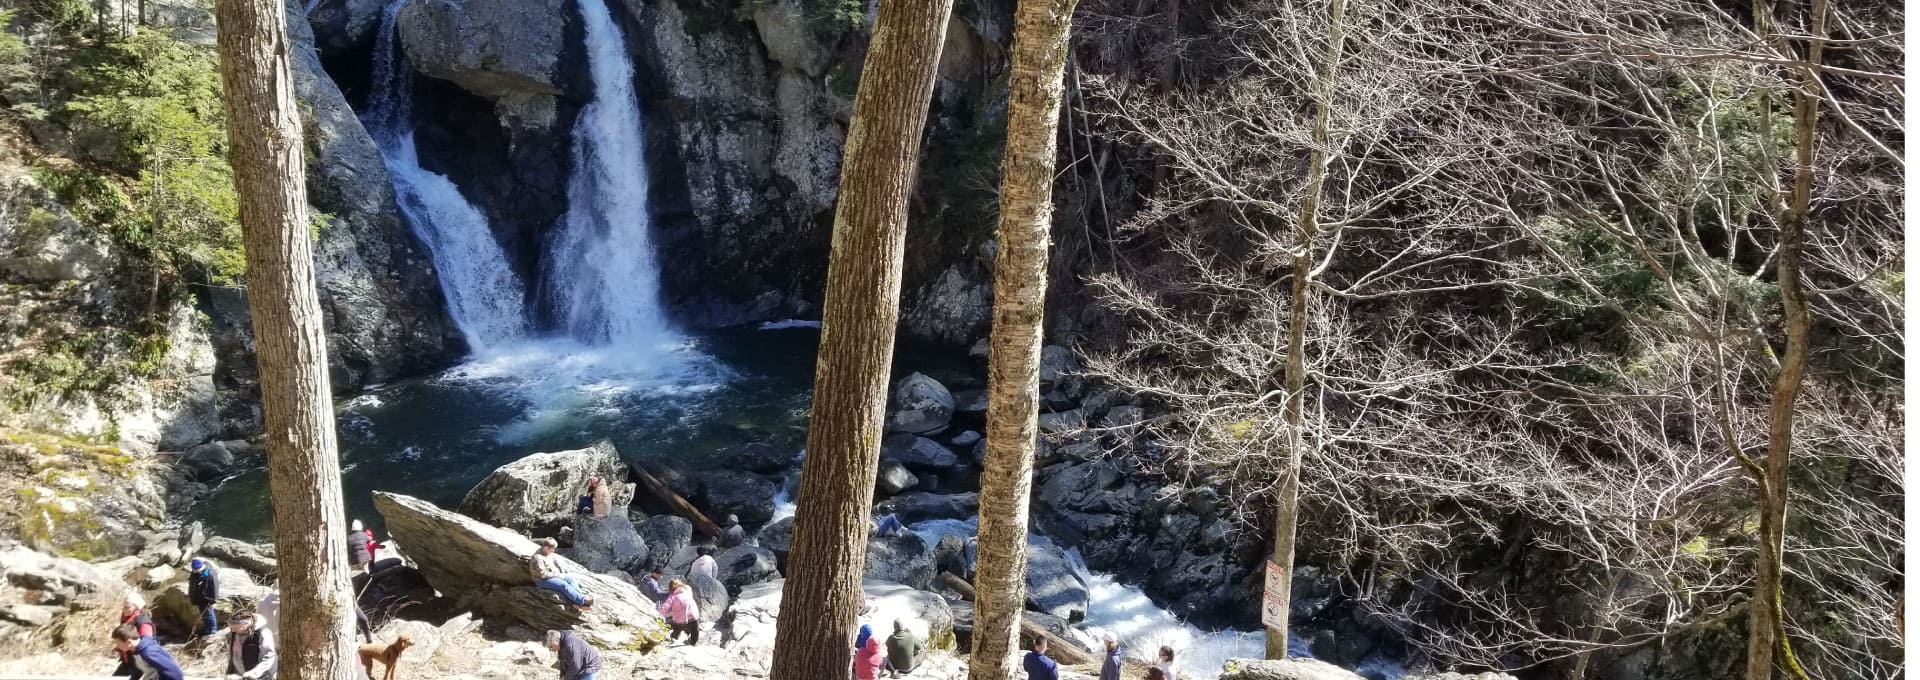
539,491
777,537
919,453
901,558
710,594
603,544
669,538
923,405
731,492
894,478
921,506
484,568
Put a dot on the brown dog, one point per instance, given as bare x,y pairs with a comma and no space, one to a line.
388,654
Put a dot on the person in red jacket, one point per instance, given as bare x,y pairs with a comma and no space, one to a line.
133,612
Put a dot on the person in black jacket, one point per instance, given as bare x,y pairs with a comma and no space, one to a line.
359,551
578,660
734,535
203,591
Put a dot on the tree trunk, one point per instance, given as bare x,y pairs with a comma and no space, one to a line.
1035,87
858,318
303,465
1766,612
1287,492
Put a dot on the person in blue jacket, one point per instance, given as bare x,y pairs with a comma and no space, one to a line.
152,660
203,591
1038,665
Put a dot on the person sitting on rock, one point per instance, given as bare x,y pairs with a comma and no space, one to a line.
133,611
733,535
359,547
704,565
654,585
868,657
203,592
578,660
150,660
598,500
682,612
1038,665
889,525
250,650
544,567
903,650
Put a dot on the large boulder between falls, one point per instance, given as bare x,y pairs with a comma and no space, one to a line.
904,557
492,48
924,405
1055,585
484,568
603,544
541,490
757,610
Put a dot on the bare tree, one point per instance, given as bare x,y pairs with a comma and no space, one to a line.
303,462
1544,267
856,340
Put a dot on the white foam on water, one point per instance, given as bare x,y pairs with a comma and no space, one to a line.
1141,627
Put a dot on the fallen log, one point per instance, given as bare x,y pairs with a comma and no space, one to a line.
1063,650
659,491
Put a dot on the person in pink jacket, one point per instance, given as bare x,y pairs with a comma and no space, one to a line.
868,658
681,612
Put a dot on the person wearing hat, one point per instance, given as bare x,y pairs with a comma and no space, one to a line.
250,650
203,591
359,547
544,567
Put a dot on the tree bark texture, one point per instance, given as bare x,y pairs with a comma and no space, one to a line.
1035,88
1286,513
862,308
303,465
1766,611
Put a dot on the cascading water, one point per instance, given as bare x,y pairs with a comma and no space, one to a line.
484,297
601,272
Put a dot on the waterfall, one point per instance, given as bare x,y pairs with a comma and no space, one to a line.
484,297
601,274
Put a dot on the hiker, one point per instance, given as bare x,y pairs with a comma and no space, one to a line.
578,660
681,612
150,660
654,585
250,650
598,501
359,547
889,525
203,590
1165,664
133,611
868,658
903,650
545,571
734,535
1038,665
704,565
1110,666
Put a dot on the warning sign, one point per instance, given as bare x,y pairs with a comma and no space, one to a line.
1273,607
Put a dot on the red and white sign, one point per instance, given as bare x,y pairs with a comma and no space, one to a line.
1273,607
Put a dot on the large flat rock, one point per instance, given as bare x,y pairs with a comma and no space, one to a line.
483,567
540,490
